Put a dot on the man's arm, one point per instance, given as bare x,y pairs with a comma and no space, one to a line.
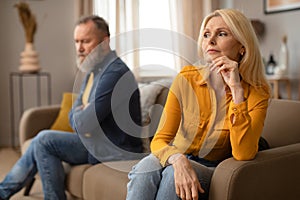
99,106
78,103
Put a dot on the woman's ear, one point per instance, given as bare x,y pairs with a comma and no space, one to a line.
242,51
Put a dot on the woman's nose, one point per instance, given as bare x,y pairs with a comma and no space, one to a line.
212,41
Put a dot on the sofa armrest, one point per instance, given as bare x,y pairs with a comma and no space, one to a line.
273,174
36,119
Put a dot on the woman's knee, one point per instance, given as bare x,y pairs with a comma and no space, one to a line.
168,174
148,164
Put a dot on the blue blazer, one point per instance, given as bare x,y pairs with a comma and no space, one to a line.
110,126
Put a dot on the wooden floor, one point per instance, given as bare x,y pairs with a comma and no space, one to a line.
8,157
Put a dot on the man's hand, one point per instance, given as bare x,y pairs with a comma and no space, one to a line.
82,107
186,181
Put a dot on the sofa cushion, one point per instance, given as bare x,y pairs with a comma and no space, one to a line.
149,92
62,123
107,180
74,180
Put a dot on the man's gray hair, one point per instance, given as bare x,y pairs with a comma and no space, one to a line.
100,23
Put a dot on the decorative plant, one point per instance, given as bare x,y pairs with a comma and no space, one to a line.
28,20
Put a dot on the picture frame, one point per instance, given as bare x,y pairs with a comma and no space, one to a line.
276,6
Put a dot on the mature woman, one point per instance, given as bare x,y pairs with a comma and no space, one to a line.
213,112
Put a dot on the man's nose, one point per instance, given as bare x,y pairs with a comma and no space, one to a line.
80,47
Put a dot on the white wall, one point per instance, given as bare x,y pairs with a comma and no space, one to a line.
53,42
276,25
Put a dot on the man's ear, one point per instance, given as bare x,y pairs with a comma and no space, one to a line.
105,42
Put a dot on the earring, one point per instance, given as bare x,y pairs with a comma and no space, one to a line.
242,51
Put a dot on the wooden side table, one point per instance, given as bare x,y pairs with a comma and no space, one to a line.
19,76
275,80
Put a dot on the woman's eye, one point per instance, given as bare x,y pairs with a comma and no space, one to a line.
222,34
206,35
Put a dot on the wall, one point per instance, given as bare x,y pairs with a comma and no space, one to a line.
53,42
276,25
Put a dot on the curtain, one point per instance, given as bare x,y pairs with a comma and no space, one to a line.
123,19
83,8
127,34
186,18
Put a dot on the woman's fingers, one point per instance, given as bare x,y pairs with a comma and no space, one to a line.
189,192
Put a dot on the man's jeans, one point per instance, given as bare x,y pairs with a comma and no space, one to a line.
149,181
44,155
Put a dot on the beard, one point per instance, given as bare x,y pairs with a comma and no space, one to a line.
96,56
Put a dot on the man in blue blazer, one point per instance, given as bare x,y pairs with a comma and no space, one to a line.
106,118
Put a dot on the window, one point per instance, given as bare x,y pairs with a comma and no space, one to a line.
153,16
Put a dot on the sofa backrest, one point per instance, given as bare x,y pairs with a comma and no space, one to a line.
155,114
282,124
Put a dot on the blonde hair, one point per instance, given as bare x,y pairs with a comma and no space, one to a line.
251,65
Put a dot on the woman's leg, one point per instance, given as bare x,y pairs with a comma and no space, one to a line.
167,186
52,147
144,179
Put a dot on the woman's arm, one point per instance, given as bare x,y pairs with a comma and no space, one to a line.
169,123
247,121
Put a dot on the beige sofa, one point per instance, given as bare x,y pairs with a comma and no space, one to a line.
273,174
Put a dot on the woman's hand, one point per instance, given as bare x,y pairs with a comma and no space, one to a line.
229,70
186,181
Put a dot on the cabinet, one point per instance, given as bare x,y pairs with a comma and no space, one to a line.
17,85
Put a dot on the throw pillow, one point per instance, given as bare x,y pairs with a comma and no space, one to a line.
148,93
62,123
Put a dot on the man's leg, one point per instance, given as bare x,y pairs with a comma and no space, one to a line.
22,172
144,179
52,147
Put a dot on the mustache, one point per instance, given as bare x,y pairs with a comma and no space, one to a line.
81,54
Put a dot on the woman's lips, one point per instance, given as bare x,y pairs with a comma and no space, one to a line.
212,51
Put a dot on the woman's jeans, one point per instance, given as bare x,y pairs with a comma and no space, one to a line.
45,155
149,181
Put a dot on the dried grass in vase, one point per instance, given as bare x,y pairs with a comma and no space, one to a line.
28,21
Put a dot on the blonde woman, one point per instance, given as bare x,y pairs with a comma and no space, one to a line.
213,112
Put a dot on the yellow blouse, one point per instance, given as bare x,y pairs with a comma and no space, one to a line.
194,123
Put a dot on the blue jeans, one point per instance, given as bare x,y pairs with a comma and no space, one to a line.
149,180
44,155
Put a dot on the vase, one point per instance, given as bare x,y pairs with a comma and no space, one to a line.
29,62
283,63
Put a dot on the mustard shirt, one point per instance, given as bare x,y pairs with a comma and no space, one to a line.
194,123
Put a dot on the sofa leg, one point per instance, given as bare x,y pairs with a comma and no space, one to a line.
28,187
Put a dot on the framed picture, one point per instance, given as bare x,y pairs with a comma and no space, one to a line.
275,6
